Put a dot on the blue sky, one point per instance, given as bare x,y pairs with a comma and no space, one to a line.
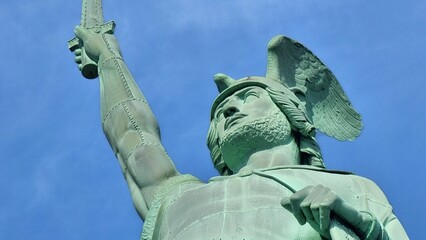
60,180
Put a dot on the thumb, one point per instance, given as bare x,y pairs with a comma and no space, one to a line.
285,202
81,32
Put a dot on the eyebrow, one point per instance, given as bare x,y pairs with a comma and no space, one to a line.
222,103
239,92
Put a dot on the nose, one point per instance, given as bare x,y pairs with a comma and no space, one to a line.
230,110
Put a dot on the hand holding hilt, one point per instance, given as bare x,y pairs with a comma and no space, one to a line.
92,21
330,215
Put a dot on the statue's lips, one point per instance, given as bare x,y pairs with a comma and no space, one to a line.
233,120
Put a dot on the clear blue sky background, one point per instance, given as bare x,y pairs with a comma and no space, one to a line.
60,180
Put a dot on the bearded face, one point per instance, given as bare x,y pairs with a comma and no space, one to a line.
249,121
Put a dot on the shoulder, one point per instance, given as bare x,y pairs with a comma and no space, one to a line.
179,181
366,186
372,191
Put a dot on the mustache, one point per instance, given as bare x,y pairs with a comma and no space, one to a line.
233,118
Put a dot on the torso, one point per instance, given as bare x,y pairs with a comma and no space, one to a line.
247,206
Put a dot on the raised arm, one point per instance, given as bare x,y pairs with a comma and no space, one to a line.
127,121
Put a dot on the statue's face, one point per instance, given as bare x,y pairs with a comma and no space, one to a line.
242,107
249,121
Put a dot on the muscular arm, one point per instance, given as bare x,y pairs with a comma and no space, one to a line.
128,122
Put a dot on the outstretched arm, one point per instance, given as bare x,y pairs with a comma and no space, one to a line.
127,121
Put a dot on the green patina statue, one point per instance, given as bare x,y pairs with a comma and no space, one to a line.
273,182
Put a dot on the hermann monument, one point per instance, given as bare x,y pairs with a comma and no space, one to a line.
273,183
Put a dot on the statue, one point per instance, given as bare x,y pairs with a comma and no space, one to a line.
273,183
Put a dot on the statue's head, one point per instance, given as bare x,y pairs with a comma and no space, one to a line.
298,95
254,114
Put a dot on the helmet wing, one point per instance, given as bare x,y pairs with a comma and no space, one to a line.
327,105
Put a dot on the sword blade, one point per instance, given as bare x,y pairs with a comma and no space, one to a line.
92,14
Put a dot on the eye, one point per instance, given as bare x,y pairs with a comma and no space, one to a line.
250,96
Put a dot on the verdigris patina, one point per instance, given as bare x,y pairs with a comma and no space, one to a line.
273,182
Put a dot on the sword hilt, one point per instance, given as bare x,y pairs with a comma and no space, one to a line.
89,67
340,231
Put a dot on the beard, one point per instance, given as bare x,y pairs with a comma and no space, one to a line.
242,140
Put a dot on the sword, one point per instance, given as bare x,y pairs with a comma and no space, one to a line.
93,20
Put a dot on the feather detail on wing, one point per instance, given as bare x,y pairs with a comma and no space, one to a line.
327,105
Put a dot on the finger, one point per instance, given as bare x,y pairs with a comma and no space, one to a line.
296,199
295,209
285,202
326,206
77,59
324,217
77,52
81,32
305,207
310,205
80,67
304,192
316,199
315,212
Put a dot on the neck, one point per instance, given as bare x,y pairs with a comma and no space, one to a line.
287,154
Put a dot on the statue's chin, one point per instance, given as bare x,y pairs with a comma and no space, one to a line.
244,139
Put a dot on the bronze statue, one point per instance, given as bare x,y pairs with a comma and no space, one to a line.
273,183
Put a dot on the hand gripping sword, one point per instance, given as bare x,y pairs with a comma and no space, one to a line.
93,20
